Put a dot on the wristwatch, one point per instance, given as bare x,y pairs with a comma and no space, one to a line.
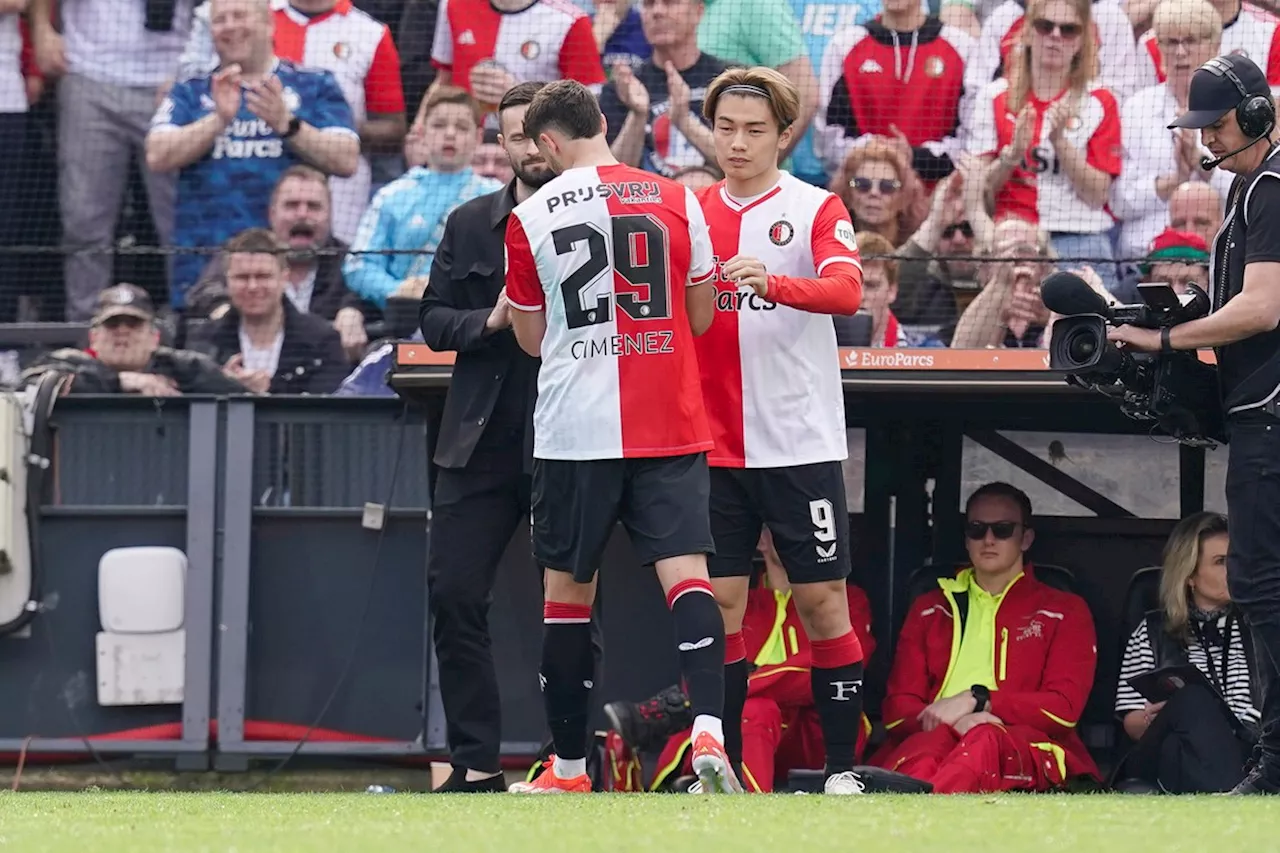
982,696
295,124
1165,345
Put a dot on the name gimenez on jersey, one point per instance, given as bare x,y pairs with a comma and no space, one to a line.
614,346
628,192
248,138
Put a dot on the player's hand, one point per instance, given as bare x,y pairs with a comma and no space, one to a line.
266,101
678,96
1134,338
741,270
500,316
226,92
632,93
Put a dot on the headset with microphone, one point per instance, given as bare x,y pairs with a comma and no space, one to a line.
1256,114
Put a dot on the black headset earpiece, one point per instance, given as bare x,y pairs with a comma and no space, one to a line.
1255,114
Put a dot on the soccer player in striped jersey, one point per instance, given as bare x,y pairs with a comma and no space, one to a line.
609,271
787,260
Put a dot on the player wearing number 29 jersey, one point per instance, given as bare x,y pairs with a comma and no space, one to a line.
609,277
606,252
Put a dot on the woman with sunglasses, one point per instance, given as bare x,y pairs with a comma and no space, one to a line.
881,191
1194,742
1156,160
1051,136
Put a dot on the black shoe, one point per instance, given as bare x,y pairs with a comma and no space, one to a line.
1136,786
457,784
1258,781
645,726
877,780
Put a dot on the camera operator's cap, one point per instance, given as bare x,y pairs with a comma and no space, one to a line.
1213,95
1172,246
124,300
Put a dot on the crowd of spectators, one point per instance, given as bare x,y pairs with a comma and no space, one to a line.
978,146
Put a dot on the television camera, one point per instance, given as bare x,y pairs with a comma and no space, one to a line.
1176,392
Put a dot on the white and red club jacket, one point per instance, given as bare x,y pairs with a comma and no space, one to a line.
770,367
1039,190
873,77
1247,35
607,252
1122,69
550,40
359,51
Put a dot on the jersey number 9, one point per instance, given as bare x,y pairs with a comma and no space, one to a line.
640,255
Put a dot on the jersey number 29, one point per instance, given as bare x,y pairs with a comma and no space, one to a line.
639,256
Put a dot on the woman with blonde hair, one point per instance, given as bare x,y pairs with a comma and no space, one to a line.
1199,739
1051,135
881,191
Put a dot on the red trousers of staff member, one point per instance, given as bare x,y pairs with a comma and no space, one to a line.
988,758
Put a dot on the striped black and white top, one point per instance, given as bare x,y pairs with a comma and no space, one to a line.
1140,657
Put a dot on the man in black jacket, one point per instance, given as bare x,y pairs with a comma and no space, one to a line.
483,453
125,356
263,341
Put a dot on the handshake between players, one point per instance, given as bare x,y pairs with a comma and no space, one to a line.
693,418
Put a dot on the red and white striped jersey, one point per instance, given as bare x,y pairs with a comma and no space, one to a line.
359,51
1039,189
771,368
550,40
607,253
1122,69
1247,35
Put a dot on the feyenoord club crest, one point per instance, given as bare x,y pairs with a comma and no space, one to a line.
934,66
781,232
530,50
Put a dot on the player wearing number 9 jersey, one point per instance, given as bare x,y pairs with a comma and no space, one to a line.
609,271
771,381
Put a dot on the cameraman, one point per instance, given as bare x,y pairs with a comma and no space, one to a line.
1230,103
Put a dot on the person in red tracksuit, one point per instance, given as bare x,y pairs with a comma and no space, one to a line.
992,670
780,726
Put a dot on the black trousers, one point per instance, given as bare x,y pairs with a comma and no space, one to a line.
1192,746
474,515
1253,561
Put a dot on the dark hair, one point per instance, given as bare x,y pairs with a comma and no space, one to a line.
1002,490
520,95
255,241
441,95
566,105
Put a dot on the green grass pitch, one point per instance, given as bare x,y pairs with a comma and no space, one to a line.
159,822
281,823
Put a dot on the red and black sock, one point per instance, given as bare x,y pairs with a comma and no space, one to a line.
836,676
567,667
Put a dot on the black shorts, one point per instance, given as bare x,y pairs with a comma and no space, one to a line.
805,509
662,503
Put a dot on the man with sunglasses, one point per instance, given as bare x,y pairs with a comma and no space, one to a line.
1230,103
992,670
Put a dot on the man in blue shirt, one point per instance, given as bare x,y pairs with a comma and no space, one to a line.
399,233
232,133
